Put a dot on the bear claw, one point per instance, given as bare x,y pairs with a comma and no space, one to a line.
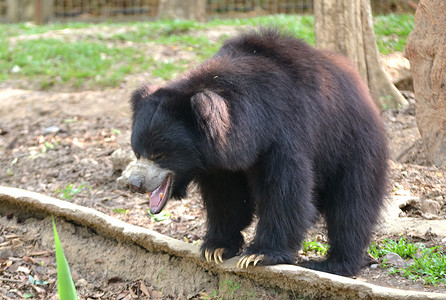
216,255
246,260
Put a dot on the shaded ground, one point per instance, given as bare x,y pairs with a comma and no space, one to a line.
50,140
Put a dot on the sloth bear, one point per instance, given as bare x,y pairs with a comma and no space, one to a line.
272,126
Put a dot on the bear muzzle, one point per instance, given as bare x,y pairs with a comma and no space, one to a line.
148,177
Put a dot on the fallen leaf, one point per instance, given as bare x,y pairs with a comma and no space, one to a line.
38,289
132,293
143,288
156,294
122,295
99,261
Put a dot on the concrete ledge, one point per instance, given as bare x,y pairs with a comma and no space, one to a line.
158,251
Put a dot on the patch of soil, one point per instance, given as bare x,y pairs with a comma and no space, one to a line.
51,140
28,267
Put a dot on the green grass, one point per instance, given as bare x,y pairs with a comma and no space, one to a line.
391,32
121,210
428,265
314,246
400,247
182,32
299,25
12,30
227,290
70,190
162,216
154,31
55,61
103,59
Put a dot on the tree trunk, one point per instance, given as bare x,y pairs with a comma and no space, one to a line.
346,26
426,50
182,9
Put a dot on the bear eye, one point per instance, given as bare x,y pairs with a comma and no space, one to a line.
156,157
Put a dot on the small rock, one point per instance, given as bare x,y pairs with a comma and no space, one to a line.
18,252
397,202
40,270
430,207
395,260
14,267
50,130
374,266
121,158
15,69
74,275
304,258
88,162
5,253
82,282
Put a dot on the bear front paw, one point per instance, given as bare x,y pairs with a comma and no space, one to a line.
215,255
219,250
265,257
246,260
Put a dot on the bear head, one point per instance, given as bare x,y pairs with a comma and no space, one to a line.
168,131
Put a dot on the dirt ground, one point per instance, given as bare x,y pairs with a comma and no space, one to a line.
50,139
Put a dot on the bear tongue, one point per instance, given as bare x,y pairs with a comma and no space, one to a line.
158,197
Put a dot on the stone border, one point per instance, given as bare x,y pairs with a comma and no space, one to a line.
288,278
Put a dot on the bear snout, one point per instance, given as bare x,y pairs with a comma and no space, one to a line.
135,183
146,176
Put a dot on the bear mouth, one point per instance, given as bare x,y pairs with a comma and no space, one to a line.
160,195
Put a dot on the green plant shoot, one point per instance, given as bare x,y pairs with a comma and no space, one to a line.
65,284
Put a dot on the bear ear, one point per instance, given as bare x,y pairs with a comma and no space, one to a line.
212,115
140,95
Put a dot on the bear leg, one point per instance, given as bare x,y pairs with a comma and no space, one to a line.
229,210
282,186
351,206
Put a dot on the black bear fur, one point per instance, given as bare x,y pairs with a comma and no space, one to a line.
272,126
